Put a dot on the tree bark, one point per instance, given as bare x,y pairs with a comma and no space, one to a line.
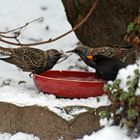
106,25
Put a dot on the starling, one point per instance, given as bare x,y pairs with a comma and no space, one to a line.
106,67
125,54
31,59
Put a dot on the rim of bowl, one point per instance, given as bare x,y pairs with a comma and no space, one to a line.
57,79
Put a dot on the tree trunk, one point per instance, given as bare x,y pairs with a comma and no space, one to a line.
108,22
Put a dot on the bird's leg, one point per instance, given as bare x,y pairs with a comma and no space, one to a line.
31,75
36,70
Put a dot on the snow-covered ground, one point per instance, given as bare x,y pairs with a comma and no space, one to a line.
15,13
109,133
18,136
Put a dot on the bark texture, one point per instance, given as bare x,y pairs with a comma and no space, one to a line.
107,24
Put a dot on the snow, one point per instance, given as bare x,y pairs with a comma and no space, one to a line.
124,73
129,73
108,133
17,87
50,101
18,136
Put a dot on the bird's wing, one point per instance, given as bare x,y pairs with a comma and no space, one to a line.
111,52
33,58
119,52
26,58
118,65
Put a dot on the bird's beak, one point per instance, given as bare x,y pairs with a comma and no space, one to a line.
90,57
71,51
63,55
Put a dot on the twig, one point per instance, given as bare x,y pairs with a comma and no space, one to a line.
10,37
17,33
61,36
25,25
66,57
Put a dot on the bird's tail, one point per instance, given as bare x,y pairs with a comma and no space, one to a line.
4,53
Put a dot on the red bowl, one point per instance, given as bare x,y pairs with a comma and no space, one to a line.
69,84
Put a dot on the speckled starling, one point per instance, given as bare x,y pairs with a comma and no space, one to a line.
125,54
31,59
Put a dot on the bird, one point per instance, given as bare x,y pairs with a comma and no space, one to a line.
106,67
30,59
125,54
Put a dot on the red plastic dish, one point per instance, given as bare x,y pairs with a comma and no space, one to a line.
69,84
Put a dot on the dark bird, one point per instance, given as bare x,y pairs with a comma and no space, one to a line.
31,59
106,67
125,54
